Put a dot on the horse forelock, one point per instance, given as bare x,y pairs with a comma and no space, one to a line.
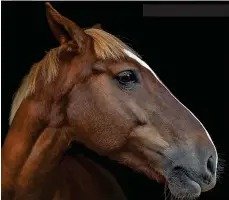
107,46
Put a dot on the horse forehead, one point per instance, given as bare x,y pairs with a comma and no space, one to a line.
141,62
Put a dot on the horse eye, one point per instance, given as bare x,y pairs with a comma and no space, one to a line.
126,77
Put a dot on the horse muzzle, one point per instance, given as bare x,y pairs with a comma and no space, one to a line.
189,174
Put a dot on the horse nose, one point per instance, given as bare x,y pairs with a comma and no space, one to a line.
211,165
191,167
208,174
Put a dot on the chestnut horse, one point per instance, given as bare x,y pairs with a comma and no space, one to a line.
97,91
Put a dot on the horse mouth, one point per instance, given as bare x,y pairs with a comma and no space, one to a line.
181,185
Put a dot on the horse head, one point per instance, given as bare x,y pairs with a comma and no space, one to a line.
102,94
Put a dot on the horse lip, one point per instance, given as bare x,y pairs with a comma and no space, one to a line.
190,176
185,184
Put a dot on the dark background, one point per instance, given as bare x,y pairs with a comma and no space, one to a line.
190,55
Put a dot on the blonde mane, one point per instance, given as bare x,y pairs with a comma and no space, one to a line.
106,46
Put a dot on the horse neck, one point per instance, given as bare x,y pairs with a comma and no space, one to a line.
33,159
32,150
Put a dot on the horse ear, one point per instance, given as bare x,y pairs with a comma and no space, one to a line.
97,26
63,28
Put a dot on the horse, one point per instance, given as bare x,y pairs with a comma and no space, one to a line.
97,91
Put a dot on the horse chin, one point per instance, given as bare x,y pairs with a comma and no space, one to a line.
181,186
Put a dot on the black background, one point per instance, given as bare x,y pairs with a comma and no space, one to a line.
190,55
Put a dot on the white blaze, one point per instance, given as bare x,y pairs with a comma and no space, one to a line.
143,64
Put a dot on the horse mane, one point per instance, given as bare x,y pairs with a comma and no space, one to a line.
106,46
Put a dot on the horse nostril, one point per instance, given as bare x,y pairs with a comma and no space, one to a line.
210,165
